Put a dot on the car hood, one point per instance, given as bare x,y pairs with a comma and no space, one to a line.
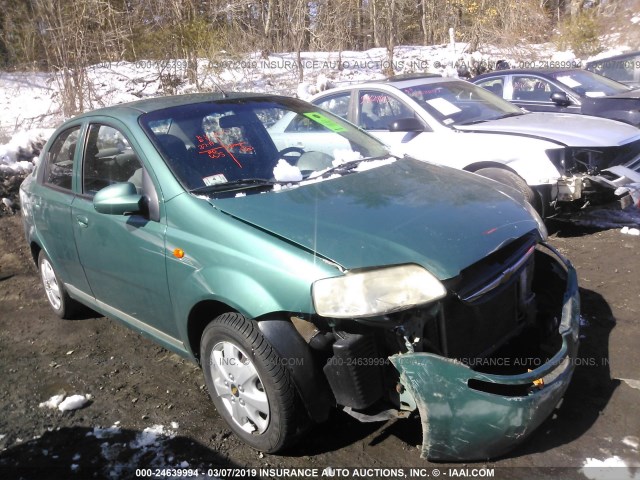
631,94
405,212
566,129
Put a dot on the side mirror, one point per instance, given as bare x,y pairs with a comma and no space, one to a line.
560,98
118,199
406,125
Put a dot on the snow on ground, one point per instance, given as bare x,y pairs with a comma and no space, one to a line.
149,448
65,404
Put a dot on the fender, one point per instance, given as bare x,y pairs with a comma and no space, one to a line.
307,374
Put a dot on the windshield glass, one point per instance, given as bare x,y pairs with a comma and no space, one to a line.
458,102
252,144
588,84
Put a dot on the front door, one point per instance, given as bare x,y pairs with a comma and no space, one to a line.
123,255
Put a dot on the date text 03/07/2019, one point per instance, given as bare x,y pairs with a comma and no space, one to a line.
327,472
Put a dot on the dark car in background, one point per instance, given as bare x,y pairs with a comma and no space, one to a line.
565,91
624,68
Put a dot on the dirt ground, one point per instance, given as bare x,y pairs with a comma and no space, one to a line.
136,385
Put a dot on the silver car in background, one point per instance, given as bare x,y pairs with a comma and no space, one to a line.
560,163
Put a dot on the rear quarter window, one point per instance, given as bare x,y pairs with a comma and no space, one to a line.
59,159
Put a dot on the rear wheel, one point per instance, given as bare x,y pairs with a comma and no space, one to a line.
59,300
509,178
248,382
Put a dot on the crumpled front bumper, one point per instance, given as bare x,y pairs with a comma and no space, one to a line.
460,423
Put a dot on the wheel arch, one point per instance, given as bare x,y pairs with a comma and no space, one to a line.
281,334
474,167
35,251
200,316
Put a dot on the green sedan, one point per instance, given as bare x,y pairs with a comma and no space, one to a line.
304,278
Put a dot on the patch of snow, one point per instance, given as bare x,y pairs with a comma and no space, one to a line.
53,402
149,446
344,155
284,172
630,231
73,402
631,441
371,164
613,468
18,154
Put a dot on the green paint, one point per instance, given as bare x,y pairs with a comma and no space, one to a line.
325,121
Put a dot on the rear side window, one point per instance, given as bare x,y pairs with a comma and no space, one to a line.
59,171
337,104
494,85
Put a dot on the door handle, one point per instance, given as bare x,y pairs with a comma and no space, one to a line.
82,221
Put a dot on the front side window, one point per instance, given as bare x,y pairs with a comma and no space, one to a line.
59,166
378,110
108,159
533,89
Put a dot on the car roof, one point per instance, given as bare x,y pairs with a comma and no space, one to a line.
158,103
526,71
399,82
615,57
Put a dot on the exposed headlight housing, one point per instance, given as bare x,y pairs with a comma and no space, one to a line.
375,292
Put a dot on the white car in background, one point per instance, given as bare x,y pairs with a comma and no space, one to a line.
559,162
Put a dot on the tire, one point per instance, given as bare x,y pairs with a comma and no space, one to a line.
511,179
59,300
248,383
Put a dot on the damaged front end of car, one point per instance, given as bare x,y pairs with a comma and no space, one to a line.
469,413
595,176
484,364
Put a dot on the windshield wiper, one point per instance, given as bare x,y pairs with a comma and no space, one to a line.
240,184
347,166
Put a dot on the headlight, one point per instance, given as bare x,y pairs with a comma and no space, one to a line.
375,292
542,228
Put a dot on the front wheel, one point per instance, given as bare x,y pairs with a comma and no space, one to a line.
248,383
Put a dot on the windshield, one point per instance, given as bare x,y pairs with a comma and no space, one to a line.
587,84
459,102
252,144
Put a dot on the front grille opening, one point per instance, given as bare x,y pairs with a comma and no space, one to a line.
529,350
501,389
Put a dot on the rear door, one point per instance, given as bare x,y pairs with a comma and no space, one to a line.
51,202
